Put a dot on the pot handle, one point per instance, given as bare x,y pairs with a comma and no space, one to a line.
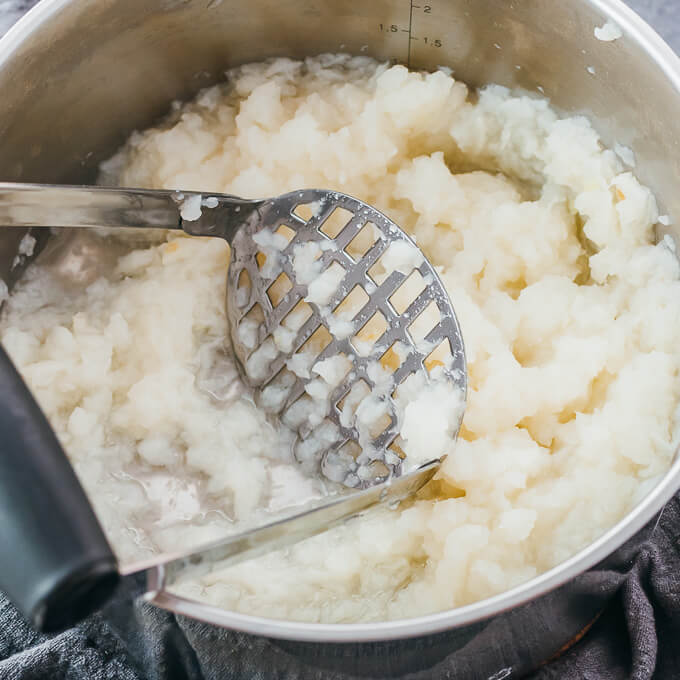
56,565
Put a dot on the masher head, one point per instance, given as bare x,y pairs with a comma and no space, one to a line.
332,307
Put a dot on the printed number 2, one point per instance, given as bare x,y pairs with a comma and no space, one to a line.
427,9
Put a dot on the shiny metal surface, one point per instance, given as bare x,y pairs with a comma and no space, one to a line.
37,205
239,222
81,206
328,442
167,570
77,77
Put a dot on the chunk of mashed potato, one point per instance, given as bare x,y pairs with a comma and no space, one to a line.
570,314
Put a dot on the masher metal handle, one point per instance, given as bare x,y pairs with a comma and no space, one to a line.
40,205
55,562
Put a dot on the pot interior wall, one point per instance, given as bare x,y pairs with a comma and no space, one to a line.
82,75
90,73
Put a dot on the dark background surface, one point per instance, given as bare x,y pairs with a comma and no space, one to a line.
664,15
636,638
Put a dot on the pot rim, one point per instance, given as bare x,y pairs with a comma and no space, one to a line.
636,29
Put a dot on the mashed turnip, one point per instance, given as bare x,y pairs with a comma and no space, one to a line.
570,314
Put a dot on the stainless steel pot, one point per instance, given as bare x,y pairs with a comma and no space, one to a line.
77,77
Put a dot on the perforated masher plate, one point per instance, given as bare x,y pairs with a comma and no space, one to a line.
338,224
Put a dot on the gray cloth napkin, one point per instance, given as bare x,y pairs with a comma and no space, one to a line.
636,638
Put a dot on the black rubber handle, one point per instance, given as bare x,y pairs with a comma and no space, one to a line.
55,562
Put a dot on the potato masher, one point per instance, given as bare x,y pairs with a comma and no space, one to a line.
316,278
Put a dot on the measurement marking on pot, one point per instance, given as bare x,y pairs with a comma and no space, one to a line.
427,40
410,34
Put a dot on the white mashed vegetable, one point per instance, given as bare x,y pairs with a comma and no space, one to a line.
570,315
